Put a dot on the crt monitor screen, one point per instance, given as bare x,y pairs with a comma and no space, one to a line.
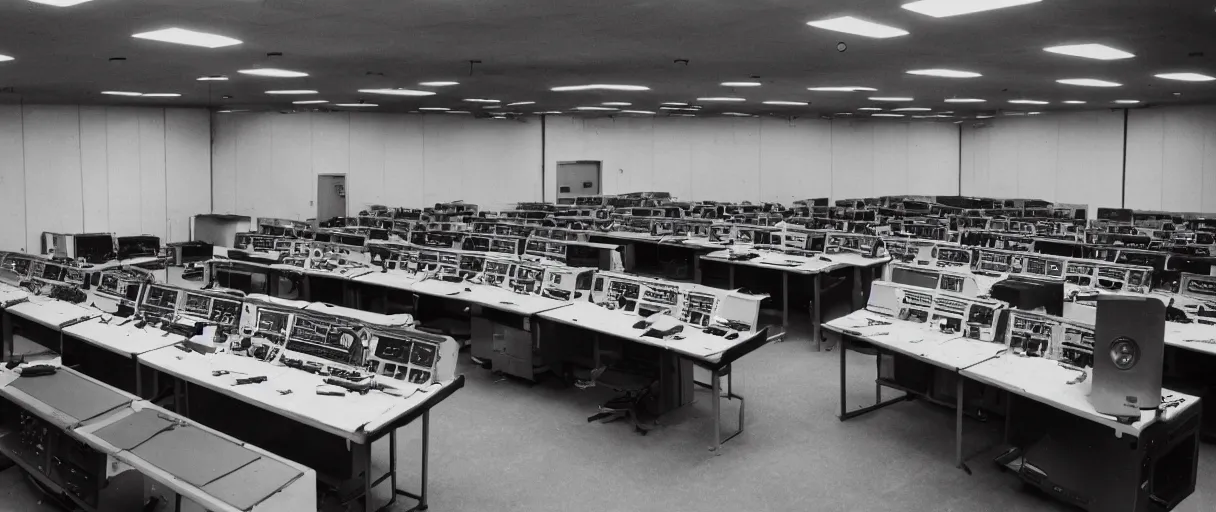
95,248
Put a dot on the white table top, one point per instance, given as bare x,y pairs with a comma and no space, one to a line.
1195,337
919,341
1045,381
51,312
482,294
695,344
391,279
798,264
126,340
344,273
353,416
12,294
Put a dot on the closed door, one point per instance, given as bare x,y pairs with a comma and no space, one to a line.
331,197
576,179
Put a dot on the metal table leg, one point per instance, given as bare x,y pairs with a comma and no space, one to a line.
716,389
845,414
391,476
958,436
816,315
785,305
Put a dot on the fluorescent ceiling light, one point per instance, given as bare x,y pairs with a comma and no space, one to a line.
944,73
231,111
60,3
911,109
188,37
356,105
213,78
437,109
294,91
122,93
5,58
1074,102
721,98
548,113
1088,82
1185,77
600,87
674,103
869,108
686,109
964,100
922,117
518,103
637,112
488,107
1029,102
161,95
790,103
983,117
1127,102
740,84
480,100
945,8
886,115
397,92
616,104
308,102
737,114
595,108
851,25
1090,51
889,98
847,88
273,73
1033,113
458,112
684,115
438,84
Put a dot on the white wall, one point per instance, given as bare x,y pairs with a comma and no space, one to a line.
1171,159
1064,157
767,159
101,169
265,164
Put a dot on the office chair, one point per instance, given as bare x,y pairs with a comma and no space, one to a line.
635,389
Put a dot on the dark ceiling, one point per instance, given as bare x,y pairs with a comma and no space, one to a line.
681,49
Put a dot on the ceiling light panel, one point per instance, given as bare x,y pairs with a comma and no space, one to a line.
741,84
616,104
944,73
911,109
964,100
841,89
161,95
1029,102
1127,102
886,115
121,93
356,105
674,103
292,91
436,109
481,100
1185,77
600,87
737,114
869,108
397,92
947,8
60,3
1074,102
518,103
1088,82
889,98
788,103
596,108
1090,51
273,73
5,58
213,78
645,112
308,102
851,25
188,37
438,84
722,98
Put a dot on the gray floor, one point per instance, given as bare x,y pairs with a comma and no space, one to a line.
503,445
